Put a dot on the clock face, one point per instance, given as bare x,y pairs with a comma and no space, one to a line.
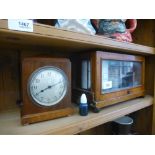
47,85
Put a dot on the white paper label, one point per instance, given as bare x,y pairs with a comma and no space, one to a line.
20,25
107,85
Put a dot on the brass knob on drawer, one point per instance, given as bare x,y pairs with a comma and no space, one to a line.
128,91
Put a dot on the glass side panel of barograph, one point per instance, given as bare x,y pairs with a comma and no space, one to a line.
86,75
117,75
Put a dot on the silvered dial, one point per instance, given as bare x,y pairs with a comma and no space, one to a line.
47,86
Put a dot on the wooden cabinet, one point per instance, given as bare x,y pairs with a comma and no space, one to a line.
49,41
108,68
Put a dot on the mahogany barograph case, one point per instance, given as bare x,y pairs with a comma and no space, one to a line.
108,78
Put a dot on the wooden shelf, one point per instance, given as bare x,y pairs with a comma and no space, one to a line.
49,36
53,39
10,121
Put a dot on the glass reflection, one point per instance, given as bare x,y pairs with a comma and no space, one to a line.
117,75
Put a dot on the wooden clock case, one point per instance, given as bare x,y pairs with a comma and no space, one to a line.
30,112
94,95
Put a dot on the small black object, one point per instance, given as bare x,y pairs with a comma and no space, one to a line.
94,109
19,103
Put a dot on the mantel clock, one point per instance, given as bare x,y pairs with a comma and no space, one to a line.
45,89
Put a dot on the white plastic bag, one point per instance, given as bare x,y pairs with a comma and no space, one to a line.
78,25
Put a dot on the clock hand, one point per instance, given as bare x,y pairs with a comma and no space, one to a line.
55,84
49,87
41,91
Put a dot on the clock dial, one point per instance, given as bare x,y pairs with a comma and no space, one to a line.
47,86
